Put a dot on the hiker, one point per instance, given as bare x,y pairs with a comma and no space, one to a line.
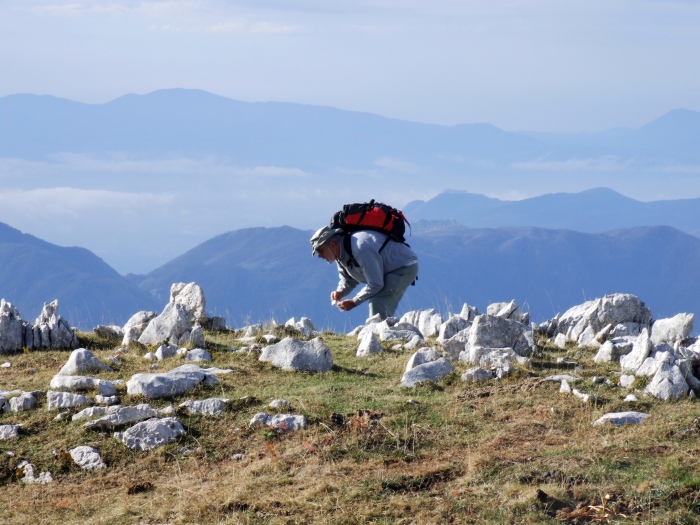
386,267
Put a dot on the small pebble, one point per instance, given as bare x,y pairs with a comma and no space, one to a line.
239,457
6,365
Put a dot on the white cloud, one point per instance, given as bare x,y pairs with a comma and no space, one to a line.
606,163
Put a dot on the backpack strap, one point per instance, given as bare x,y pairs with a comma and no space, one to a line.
348,249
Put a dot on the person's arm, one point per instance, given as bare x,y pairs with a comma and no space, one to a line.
346,284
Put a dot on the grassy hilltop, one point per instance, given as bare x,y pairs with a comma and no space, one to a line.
510,451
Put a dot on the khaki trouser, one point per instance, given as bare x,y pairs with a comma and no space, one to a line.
387,300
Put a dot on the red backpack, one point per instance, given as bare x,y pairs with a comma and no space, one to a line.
371,215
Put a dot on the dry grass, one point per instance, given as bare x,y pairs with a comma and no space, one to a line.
458,454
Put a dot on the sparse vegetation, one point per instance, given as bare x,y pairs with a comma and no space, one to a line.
514,451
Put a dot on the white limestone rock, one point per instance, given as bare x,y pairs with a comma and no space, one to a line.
468,312
214,406
118,416
90,412
672,331
605,353
109,331
79,383
422,356
152,433
198,354
170,325
281,422
667,383
192,298
631,398
476,375
304,325
626,381
87,458
562,377
22,402
454,346
565,387
58,400
167,384
279,404
290,354
28,470
196,338
369,345
652,363
612,309
8,432
426,321
560,341
452,327
166,352
640,351
107,400
82,361
135,326
11,329
433,371
52,331
489,331
401,331
622,418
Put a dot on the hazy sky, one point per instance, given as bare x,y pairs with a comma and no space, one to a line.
541,65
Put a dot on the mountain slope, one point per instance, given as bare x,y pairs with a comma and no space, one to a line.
595,210
89,292
179,122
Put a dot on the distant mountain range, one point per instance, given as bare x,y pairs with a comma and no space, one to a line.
177,122
89,291
596,210
258,274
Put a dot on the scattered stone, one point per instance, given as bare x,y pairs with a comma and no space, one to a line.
196,338
166,352
281,422
476,375
90,412
290,354
6,364
304,325
198,354
560,341
667,383
191,297
167,384
626,381
422,356
586,398
622,418
28,469
426,321
238,457
369,345
213,406
107,400
597,380
22,402
87,458
135,326
150,356
152,433
640,351
452,327
109,331
433,371
82,361
170,325
76,383
562,377
279,404
119,416
672,331
58,400
565,387
8,432
631,398
62,415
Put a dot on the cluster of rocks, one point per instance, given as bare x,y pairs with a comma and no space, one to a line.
622,329
49,330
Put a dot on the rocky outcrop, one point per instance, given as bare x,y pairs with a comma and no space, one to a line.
191,297
169,326
49,331
135,326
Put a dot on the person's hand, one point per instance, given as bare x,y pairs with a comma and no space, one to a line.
336,296
347,305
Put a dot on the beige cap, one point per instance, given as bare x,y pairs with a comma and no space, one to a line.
321,237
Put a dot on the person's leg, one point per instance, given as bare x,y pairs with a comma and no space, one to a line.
395,283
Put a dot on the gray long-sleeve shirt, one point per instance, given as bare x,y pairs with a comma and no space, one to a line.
372,265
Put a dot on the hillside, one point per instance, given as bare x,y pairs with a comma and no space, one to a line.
89,291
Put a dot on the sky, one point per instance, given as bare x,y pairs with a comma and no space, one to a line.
538,65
